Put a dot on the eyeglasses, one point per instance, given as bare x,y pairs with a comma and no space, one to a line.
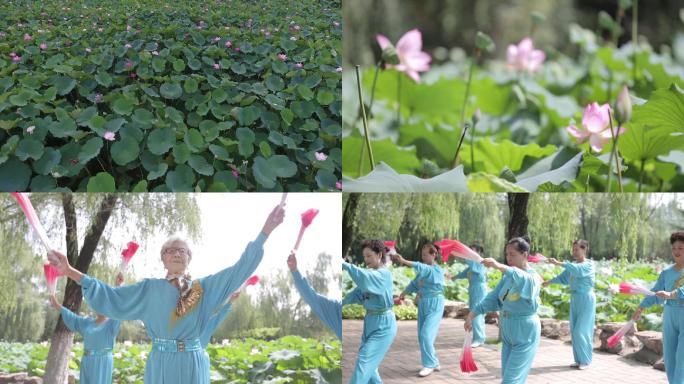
180,251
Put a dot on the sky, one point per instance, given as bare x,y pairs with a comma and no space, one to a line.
230,221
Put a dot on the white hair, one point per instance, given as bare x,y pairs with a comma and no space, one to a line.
175,239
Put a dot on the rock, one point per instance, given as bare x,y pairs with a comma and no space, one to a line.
609,329
555,329
452,308
651,340
19,378
462,313
659,365
645,355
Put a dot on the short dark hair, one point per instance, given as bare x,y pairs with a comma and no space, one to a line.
377,246
677,236
521,244
477,248
581,243
432,249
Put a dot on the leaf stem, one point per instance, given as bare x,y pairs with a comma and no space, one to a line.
365,119
465,104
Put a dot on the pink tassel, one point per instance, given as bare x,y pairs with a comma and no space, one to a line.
617,336
536,258
307,218
51,275
467,362
456,248
32,218
633,289
127,255
251,281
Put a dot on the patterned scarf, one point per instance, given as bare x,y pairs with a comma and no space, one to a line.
190,294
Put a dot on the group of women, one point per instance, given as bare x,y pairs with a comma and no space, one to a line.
515,297
179,313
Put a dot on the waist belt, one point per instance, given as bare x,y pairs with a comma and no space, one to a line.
674,303
515,315
97,352
166,345
581,291
377,312
431,294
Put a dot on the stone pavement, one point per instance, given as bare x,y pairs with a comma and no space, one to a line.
551,364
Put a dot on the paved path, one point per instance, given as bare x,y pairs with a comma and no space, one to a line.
551,364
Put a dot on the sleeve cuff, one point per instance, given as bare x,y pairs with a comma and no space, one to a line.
296,274
86,281
345,265
261,239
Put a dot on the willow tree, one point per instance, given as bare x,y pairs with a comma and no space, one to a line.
428,217
554,222
100,215
482,221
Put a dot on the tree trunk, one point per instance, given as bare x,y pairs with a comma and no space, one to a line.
517,205
348,220
62,339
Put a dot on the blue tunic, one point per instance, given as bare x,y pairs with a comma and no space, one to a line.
328,310
580,278
671,279
430,308
517,297
98,341
476,273
374,291
214,321
154,302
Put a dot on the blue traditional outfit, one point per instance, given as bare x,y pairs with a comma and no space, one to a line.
580,277
98,342
374,291
328,310
517,297
671,279
476,274
429,283
177,355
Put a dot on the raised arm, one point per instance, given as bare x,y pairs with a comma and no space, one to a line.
368,280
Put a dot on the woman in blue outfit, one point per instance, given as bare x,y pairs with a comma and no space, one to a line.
429,284
328,310
476,274
517,298
669,290
580,277
373,290
176,310
99,335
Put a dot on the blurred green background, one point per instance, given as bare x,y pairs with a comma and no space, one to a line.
453,23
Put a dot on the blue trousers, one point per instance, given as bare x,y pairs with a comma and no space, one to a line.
430,313
582,320
673,343
477,293
520,343
378,335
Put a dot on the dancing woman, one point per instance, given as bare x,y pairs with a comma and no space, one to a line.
176,310
517,297
373,290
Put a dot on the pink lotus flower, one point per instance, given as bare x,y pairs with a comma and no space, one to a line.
536,258
307,218
617,336
235,173
43,46
30,129
51,275
128,64
282,57
320,156
127,255
217,66
411,59
299,65
634,289
32,217
338,69
336,23
111,136
467,362
456,248
523,57
338,185
88,50
217,39
595,127
237,49
228,44
128,46
133,75
27,37
3,34
16,59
